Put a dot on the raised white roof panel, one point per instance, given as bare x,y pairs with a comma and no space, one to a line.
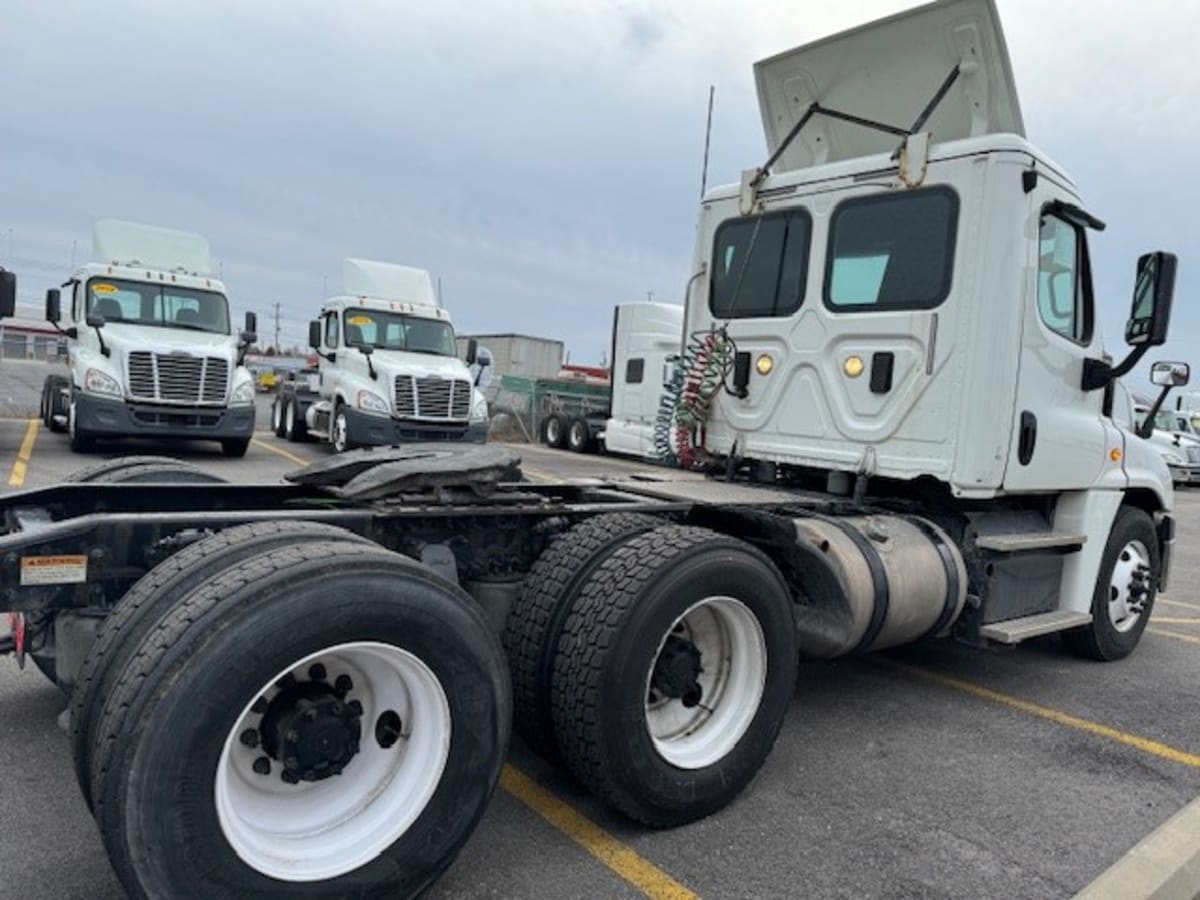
387,281
131,244
888,71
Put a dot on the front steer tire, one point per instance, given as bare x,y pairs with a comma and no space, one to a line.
182,697
152,597
628,613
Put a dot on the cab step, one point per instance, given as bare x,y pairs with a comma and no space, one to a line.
1013,631
1028,541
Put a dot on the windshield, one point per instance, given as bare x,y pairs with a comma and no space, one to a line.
1166,421
161,305
393,331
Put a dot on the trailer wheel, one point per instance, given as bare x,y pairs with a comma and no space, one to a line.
235,448
674,673
294,427
1125,590
553,430
535,621
579,436
150,599
263,742
277,416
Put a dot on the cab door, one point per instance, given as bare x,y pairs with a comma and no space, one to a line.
1060,436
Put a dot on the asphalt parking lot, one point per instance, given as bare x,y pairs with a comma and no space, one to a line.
935,771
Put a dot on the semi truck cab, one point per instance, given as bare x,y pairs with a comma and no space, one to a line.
151,350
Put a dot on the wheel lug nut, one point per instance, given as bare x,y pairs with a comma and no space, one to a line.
286,681
310,715
316,672
292,764
292,736
337,709
289,777
309,775
260,706
249,737
262,766
355,707
344,684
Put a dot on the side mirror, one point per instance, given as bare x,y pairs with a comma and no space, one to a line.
314,333
1152,295
53,305
472,351
483,357
365,349
248,337
251,323
1170,374
8,293
95,321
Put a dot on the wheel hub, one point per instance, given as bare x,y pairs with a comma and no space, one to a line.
312,730
677,671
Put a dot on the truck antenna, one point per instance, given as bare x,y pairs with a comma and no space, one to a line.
712,90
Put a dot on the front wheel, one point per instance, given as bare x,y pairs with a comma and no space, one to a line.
79,440
339,433
339,751
294,427
235,447
1125,590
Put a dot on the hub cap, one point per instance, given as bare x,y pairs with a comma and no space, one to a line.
1130,586
706,683
339,432
371,714
553,430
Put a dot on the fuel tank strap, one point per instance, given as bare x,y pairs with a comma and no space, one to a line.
952,584
878,579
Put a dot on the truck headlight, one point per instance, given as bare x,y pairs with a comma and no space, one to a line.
372,402
97,382
1172,460
243,393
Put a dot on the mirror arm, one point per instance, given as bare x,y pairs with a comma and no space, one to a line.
103,346
1098,374
1147,427
370,366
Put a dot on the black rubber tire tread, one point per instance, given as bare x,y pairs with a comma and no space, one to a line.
562,430
602,733
55,385
157,473
583,446
235,448
299,430
91,473
221,616
535,621
44,405
148,601
277,406
1100,640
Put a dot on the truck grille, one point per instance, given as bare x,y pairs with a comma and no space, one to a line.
447,399
177,378
1193,454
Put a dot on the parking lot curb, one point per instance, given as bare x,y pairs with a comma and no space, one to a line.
1164,866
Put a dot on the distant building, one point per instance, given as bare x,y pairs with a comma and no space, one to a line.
517,354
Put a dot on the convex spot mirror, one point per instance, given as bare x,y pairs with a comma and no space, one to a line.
1152,295
53,305
1170,374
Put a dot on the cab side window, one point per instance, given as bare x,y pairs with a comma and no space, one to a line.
1064,297
331,331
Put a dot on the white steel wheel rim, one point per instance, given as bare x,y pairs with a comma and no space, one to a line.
339,432
733,676
275,416
1124,607
577,435
317,830
553,430
289,418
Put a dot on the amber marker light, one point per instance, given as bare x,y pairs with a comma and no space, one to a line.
1115,454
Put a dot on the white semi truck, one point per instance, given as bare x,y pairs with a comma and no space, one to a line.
388,371
896,380
150,346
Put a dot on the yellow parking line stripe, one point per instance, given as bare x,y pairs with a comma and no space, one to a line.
298,460
20,466
1146,745
642,874
1176,603
1189,638
1162,620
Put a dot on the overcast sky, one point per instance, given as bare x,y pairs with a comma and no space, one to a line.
541,158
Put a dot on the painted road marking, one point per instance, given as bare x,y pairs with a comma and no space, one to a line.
1163,632
300,461
642,874
1176,603
1154,748
1160,620
540,474
20,466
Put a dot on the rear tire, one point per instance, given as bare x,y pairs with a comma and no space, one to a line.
277,417
294,427
142,464
1120,609
235,448
535,621
674,673
554,429
176,793
579,436
155,594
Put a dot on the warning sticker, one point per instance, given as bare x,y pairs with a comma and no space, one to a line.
104,288
53,569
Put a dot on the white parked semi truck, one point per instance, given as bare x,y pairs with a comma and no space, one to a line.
150,346
388,371
646,339
894,376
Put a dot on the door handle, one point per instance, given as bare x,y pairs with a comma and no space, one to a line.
1027,438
